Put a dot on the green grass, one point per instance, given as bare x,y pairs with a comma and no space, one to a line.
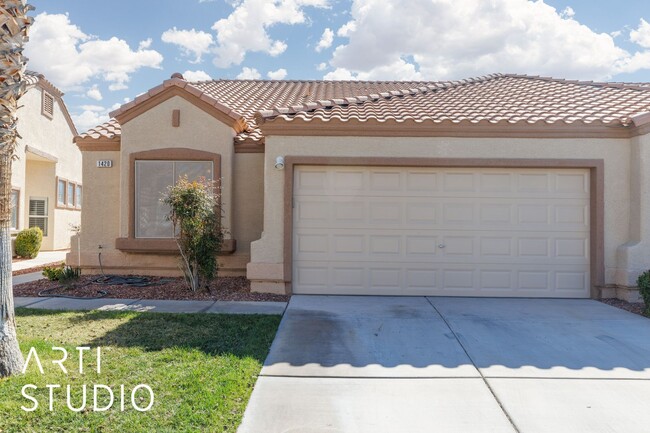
201,367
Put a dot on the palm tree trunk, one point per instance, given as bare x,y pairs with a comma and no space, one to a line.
11,359
14,24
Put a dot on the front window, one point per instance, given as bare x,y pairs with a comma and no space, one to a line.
77,197
70,195
38,215
15,195
152,178
60,192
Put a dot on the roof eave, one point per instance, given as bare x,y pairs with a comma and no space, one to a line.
411,128
179,87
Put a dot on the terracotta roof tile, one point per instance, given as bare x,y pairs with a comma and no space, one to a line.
494,98
109,130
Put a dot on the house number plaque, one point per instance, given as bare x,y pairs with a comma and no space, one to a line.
104,163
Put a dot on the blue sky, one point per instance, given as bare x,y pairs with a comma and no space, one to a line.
101,56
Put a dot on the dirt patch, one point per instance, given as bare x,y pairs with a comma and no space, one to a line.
632,307
221,289
35,269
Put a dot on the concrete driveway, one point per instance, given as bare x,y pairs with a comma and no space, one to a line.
413,364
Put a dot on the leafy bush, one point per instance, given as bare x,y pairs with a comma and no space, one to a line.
53,273
644,288
196,217
62,273
28,242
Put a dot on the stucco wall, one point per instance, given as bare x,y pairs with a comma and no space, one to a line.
198,130
634,255
106,213
267,253
54,137
248,196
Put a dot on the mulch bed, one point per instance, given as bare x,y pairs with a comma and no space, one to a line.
36,269
632,307
221,289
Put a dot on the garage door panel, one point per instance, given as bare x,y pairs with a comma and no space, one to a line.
443,213
428,231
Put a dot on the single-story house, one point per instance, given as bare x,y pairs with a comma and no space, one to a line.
504,185
46,176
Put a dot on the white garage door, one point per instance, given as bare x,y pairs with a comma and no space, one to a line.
441,231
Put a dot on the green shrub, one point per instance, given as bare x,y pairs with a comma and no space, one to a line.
644,288
53,273
28,242
195,214
62,273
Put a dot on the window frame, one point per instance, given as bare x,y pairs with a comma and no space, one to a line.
78,195
46,217
69,203
173,176
15,211
163,245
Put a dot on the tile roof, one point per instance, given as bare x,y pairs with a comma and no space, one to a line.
110,130
494,98
246,97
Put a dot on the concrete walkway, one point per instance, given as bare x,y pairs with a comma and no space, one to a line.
43,258
155,306
453,365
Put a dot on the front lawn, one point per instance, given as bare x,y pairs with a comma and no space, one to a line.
200,367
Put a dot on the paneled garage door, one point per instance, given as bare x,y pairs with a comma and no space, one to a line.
441,231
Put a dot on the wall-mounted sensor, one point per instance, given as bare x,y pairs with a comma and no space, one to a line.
279,162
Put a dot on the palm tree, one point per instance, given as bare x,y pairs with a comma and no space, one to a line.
14,24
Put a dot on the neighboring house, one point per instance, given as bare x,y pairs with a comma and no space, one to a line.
46,177
504,185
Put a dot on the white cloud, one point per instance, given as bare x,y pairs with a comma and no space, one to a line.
196,76
463,38
325,40
641,35
321,66
249,74
280,74
94,93
69,58
568,13
191,42
346,29
90,117
245,29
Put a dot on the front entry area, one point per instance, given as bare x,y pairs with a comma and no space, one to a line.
449,231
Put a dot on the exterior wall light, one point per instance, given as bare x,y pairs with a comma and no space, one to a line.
279,163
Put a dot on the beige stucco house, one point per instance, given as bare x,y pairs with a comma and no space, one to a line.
46,176
504,185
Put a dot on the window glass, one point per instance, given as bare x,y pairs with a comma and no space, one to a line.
14,209
70,195
60,195
77,196
38,214
152,180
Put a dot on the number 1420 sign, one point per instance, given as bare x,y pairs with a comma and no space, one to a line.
104,163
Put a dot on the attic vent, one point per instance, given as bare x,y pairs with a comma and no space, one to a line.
48,105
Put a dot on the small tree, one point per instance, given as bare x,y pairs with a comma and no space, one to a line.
196,217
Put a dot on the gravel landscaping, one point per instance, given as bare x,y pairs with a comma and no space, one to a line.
221,289
632,307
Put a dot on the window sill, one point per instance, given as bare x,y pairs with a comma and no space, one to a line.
163,246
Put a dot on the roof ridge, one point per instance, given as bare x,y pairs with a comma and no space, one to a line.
433,86
609,84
